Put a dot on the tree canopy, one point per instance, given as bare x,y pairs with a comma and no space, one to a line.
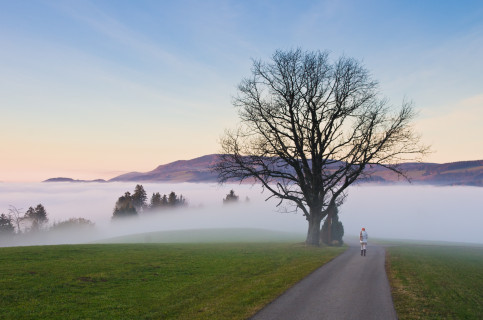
139,198
37,215
130,205
72,223
231,197
6,224
124,206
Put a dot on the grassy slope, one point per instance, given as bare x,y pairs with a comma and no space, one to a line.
150,281
209,235
436,282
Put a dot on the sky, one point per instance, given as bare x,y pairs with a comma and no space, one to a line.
94,89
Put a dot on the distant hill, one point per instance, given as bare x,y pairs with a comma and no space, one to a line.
469,173
198,170
194,170
60,179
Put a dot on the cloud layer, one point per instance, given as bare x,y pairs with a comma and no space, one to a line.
397,212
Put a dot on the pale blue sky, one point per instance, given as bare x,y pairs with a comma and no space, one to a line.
90,89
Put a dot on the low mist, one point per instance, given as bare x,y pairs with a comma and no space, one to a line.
393,212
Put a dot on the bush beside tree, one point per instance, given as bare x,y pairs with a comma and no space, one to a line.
337,231
72,223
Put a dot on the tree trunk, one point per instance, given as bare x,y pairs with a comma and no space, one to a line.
313,233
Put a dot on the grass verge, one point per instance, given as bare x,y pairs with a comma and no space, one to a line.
436,282
150,281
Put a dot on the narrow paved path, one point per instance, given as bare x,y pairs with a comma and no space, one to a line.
348,287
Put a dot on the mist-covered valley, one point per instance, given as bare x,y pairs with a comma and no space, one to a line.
451,214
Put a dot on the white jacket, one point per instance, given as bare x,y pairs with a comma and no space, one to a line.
363,236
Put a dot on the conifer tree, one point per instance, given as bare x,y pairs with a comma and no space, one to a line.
6,225
38,216
156,201
231,197
139,198
124,207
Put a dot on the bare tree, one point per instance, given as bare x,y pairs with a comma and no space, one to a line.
16,215
310,128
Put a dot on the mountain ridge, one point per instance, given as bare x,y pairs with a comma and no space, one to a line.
468,173
63,179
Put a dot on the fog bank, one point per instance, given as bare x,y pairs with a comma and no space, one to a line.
393,212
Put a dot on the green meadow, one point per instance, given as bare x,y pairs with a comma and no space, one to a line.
436,282
151,281
225,280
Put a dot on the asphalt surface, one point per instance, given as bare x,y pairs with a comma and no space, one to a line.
348,287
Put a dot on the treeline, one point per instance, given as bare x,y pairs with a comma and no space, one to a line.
232,198
16,221
35,220
129,205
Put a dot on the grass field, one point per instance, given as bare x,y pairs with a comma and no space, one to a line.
436,282
150,281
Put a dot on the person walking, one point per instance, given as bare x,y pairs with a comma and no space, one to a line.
363,239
